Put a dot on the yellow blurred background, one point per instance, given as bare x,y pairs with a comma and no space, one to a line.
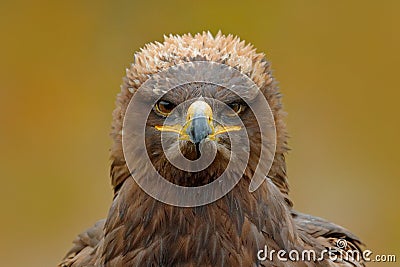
61,66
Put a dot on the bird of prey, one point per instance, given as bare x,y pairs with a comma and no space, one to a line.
234,229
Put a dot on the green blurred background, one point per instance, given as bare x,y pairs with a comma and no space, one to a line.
61,66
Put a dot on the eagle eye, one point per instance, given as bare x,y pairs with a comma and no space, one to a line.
164,107
236,107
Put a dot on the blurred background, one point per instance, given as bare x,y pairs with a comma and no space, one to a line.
61,67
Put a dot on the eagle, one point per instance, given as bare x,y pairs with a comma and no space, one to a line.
242,226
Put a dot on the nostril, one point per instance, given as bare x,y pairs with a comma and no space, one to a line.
199,129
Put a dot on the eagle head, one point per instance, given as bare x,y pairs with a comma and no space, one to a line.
205,101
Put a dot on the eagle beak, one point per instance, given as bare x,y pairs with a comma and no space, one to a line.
198,125
199,122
